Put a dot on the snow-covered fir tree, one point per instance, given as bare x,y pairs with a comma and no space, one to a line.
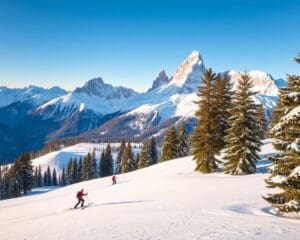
63,177
69,177
183,146
242,140
49,176
285,171
169,145
204,139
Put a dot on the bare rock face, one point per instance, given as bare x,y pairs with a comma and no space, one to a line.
161,79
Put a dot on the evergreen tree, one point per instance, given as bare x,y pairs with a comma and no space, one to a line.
5,182
14,181
146,158
183,148
80,170
49,176
54,178
154,153
74,170
170,143
69,177
128,162
36,174
119,156
243,141
45,178
24,172
63,177
205,142
40,177
262,122
222,98
285,172
93,166
279,110
102,160
106,164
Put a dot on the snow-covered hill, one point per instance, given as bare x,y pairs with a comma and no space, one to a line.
165,201
59,159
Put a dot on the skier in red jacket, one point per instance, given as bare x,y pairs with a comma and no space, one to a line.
80,199
114,180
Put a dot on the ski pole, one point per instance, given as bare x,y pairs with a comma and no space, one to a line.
87,197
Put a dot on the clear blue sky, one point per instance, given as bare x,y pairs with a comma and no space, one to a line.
66,42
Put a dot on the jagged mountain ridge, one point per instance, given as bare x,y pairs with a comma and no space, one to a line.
100,110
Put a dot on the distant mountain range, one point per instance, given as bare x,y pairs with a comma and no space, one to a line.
31,116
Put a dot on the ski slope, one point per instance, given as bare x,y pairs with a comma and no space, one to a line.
59,159
165,201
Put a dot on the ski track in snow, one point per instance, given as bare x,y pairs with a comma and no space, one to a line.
165,201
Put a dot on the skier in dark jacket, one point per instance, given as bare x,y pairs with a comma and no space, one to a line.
114,180
80,199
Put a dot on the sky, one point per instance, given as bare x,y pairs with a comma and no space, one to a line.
67,42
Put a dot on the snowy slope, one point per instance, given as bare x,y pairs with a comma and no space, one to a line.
38,95
165,201
59,159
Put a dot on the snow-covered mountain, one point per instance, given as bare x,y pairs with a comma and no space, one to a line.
36,95
99,97
100,110
166,201
174,100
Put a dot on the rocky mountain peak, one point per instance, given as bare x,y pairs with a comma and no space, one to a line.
161,79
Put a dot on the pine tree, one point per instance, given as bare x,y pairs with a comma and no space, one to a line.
69,178
49,176
205,143
93,167
262,122
63,177
153,148
222,95
128,162
106,164
183,148
169,148
45,178
243,141
36,176
5,182
279,110
14,181
54,178
146,158
80,170
285,172
40,177
119,157
74,171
